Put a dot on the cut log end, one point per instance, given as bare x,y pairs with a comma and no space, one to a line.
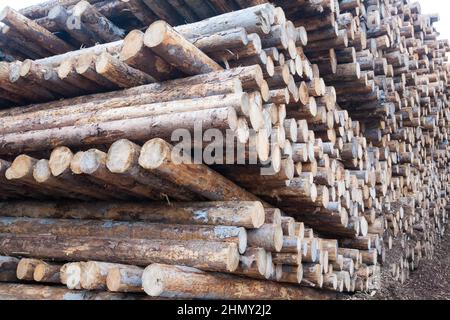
39,273
258,215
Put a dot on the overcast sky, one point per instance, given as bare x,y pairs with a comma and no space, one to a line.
428,6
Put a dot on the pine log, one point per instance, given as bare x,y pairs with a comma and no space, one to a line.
176,282
163,40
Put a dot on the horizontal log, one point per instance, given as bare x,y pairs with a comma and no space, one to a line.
213,256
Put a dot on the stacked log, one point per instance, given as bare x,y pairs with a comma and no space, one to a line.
338,122
389,71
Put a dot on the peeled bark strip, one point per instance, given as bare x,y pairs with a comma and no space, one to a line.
211,256
166,42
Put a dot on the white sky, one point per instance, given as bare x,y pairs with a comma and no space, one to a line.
428,6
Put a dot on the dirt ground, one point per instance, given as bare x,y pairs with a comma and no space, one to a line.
430,282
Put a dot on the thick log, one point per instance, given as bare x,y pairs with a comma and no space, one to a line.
8,267
101,26
34,32
137,55
248,215
176,282
32,292
157,156
123,159
166,42
47,273
59,116
108,132
254,20
212,256
269,237
119,73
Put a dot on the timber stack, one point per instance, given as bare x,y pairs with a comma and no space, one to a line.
335,115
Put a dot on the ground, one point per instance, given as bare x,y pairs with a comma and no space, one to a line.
430,282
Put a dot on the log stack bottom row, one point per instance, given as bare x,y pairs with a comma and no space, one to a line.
338,113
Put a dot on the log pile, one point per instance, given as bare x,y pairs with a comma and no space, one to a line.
390,73
337,115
